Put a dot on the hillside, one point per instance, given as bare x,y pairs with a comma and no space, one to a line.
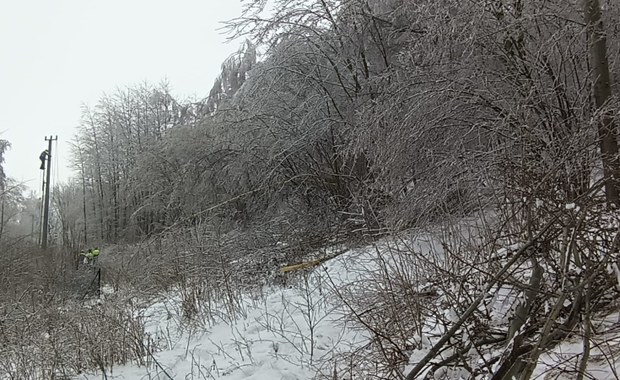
316,326
371,189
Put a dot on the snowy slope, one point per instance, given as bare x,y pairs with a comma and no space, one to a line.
285,333
299,331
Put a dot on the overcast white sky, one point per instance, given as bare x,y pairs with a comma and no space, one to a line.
57,54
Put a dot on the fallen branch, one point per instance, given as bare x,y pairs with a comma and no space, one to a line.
474,306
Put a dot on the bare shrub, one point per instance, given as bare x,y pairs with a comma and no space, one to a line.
64,338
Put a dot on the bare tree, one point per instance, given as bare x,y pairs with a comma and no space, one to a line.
601,89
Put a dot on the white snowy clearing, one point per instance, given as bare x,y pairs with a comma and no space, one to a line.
298,331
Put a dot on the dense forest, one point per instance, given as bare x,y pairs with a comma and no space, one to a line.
346,122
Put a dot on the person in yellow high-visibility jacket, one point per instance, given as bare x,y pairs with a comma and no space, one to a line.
95,254
88,256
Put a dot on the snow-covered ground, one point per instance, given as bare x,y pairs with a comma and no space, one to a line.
604,363
298,331
287,332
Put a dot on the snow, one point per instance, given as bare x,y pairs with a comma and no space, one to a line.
299,331
565,358
503,303
285,333
293,332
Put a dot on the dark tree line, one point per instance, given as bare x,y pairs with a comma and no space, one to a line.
362,114
353,119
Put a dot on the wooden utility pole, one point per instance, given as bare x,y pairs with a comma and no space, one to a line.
46,204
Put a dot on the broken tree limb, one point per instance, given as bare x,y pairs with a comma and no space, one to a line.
470,310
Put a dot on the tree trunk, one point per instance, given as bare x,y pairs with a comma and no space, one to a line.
602,93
